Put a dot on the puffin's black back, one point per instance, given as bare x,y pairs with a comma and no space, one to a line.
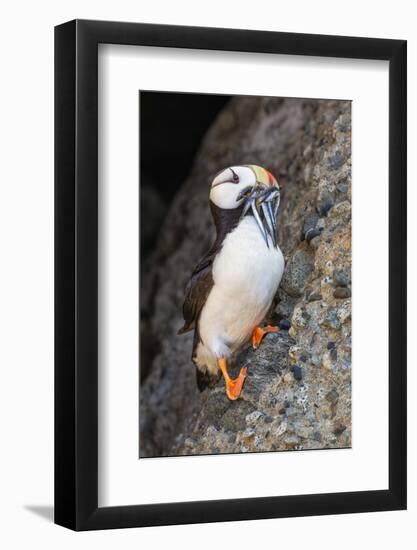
201,283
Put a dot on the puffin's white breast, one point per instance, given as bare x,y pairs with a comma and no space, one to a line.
246,276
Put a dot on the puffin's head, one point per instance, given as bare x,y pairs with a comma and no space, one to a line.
253,187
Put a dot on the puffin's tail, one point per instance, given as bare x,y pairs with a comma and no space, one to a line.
183,330
205,379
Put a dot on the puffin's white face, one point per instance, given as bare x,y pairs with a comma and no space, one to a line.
227,186
253,187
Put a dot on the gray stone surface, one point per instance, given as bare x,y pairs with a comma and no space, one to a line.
298,391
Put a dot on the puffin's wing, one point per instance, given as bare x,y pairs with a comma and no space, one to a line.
197,291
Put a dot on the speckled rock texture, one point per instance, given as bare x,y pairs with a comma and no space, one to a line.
298,391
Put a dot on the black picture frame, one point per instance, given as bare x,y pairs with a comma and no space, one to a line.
76,272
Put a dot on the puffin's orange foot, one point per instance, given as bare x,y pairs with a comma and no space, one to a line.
233,387
259,333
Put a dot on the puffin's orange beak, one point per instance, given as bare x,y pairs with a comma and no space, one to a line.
263,175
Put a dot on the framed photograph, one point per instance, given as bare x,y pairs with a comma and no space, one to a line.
230,252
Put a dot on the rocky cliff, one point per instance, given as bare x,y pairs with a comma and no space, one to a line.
298,391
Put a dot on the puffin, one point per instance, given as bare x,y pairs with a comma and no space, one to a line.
232,288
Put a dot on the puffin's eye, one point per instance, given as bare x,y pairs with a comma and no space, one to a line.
235,176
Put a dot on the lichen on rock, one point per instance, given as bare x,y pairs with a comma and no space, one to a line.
298,391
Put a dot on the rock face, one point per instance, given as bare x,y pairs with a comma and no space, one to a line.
298,391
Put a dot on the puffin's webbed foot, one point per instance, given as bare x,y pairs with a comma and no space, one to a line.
233,387
259,333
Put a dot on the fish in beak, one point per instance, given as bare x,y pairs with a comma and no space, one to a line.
262,201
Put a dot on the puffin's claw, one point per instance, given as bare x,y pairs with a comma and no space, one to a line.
233,386
259,333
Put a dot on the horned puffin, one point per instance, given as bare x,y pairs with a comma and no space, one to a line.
232,288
